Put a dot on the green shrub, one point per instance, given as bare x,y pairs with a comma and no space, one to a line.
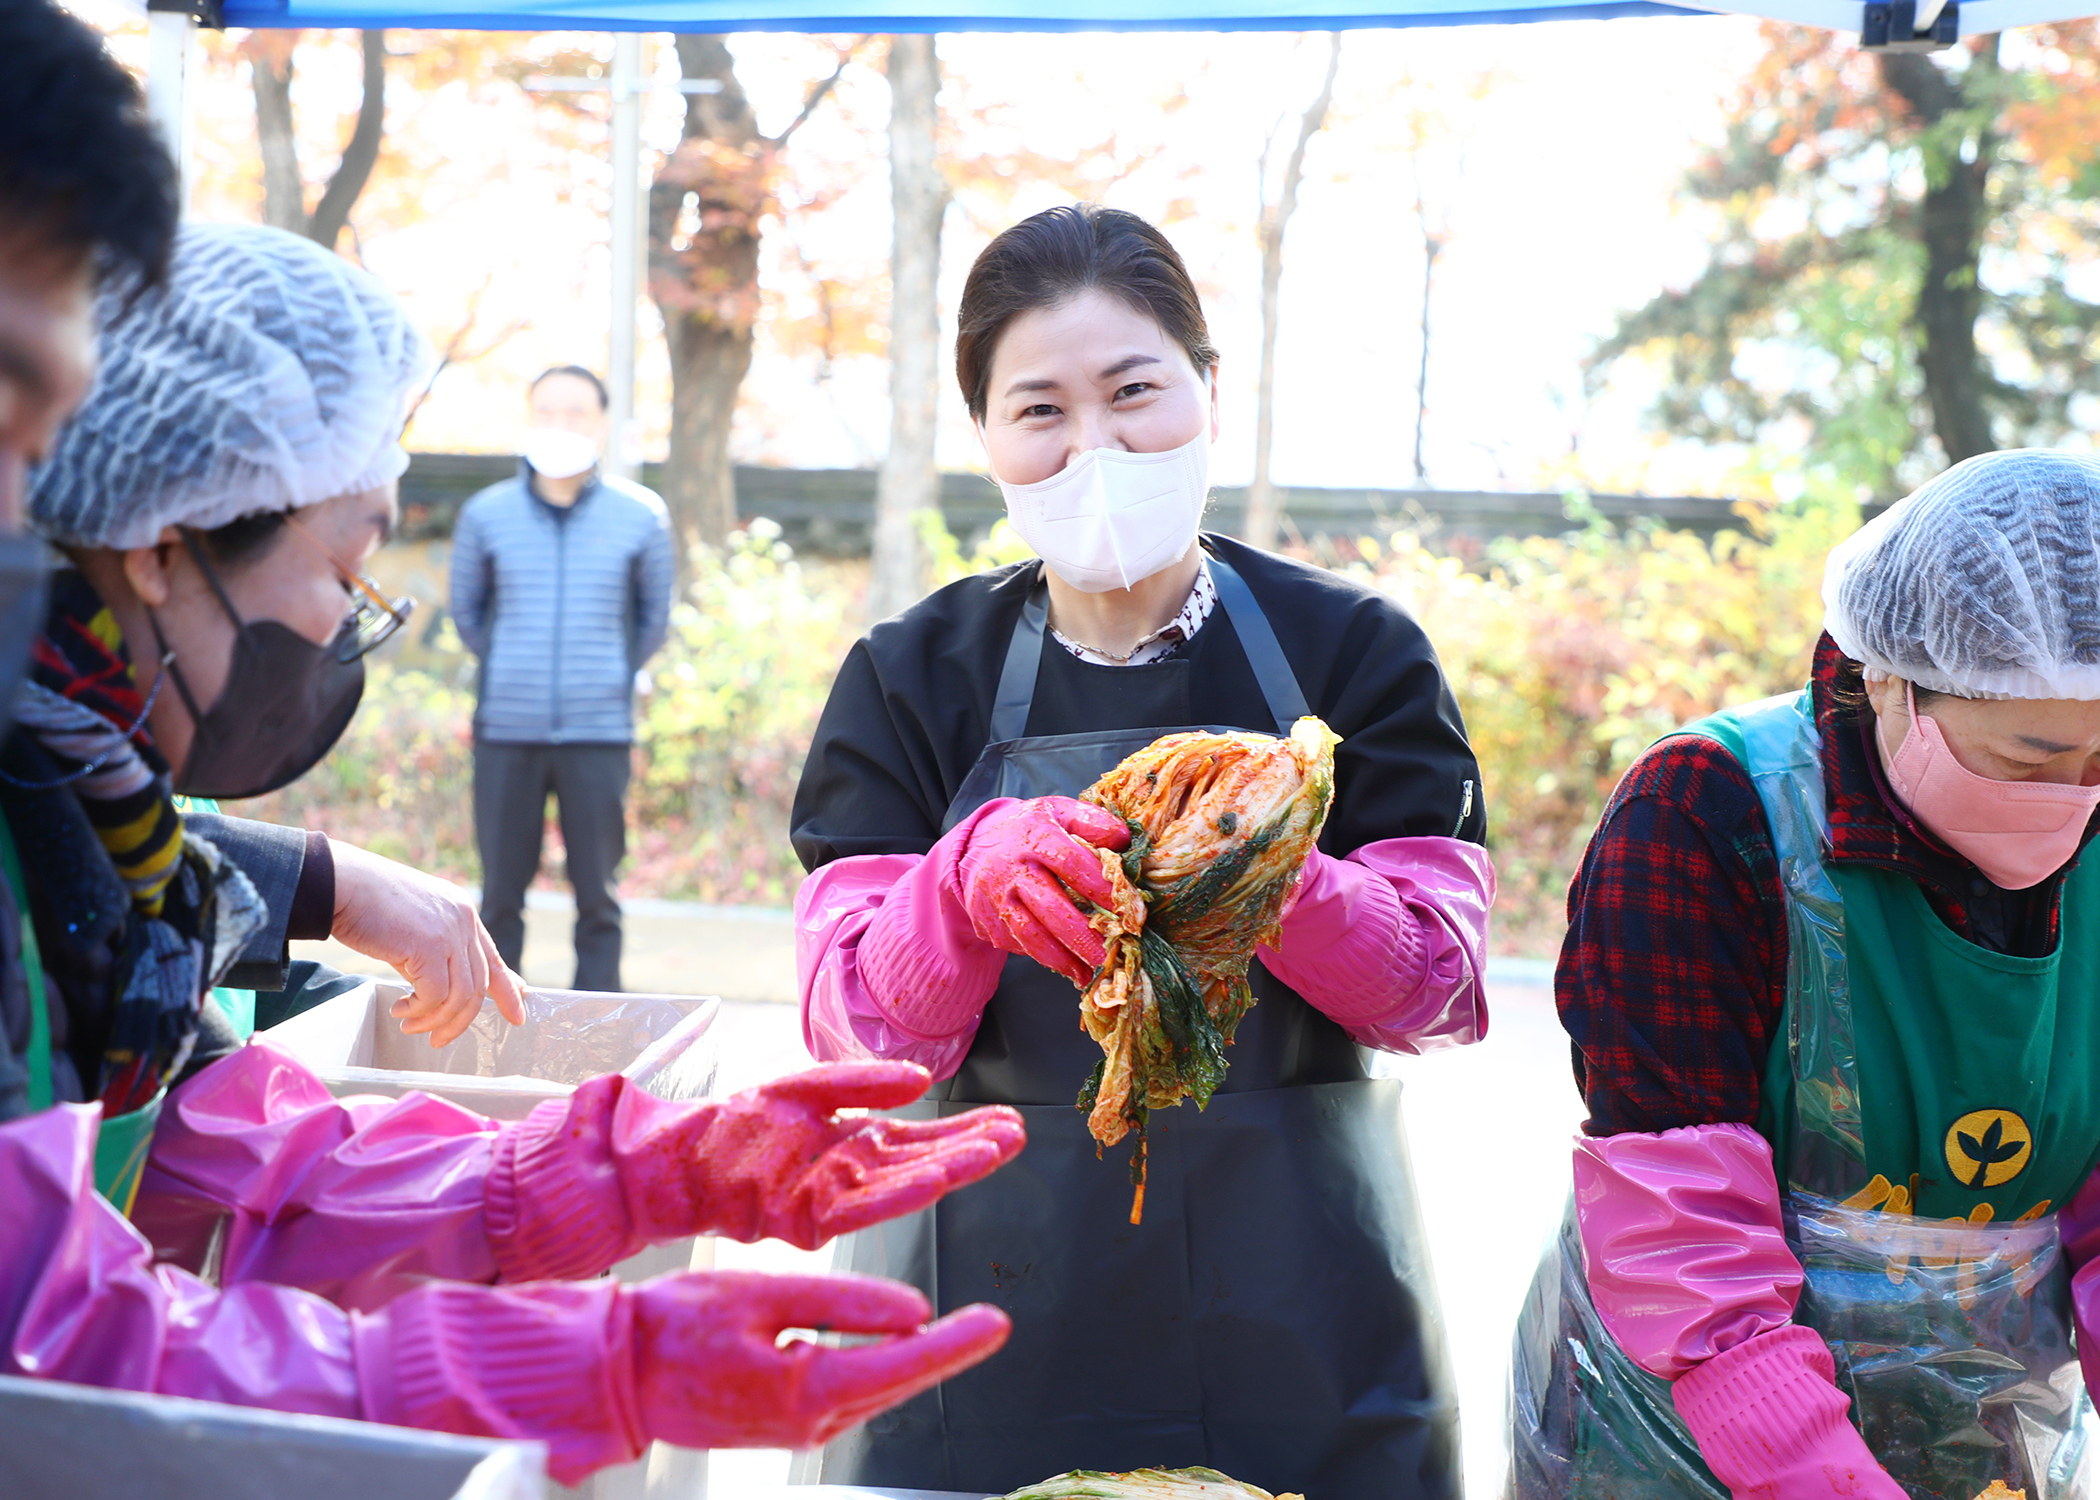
1569,655
720,737
738,688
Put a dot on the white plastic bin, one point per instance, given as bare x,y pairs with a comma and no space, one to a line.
67,1442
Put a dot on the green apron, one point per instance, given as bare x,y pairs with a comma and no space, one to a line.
1929,1104
121,1144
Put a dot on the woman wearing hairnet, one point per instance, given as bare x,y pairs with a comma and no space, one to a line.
215,496
1831,976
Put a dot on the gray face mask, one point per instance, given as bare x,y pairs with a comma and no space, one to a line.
25,575
285,704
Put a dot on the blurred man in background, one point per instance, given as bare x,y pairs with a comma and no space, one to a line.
561,584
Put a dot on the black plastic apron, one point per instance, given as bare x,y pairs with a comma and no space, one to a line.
1274,1315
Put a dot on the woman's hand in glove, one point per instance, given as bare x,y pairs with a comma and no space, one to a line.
1020,870
597,1370
587,1181
710,1372
777,1162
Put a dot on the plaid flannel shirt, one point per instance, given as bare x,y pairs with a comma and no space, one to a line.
1672,979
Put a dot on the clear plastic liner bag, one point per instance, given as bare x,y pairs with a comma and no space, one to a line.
1952,1339
1586,1421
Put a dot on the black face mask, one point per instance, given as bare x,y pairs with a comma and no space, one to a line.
25,575
285,704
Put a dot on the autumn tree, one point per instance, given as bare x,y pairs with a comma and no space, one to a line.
707,209
270,56
1263,510
1896,242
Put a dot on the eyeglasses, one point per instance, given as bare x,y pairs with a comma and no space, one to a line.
373,618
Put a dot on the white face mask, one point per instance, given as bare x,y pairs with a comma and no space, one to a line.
558,453
1108,518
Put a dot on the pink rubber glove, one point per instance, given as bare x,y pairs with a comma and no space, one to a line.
2078,1226
755,1394
1682,1243
599,1371
1019,870
587,1181
1391,941
889,967
595,1371
1771,1424
1689,1267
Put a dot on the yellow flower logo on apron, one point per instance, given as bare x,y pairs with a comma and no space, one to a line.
1987,1148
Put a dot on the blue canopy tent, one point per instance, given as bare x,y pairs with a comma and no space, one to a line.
1880,20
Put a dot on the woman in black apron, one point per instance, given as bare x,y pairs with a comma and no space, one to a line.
1273,1316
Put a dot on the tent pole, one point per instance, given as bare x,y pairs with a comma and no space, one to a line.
626,247
171,59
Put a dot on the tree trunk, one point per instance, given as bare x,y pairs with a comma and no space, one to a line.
361,155
709,360
1263,509
284,190
704,211
910,484
284,194
1951,220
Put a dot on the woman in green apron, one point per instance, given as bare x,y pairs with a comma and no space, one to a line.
215,496
1833,979
1273,1315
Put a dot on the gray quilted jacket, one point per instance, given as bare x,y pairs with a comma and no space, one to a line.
562,607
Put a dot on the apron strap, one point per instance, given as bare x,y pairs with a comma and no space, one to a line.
1024,657
41,1094
1279,684
1272,670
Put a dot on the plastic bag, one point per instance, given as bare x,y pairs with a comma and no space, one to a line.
1953,1341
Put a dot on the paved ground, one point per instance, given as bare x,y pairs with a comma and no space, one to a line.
1488,1128
673,948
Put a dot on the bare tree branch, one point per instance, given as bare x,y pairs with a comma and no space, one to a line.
456,350
284,194
361,155
818,94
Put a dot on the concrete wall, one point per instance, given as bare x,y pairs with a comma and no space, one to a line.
830,511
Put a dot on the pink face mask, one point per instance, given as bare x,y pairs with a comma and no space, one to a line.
2018,833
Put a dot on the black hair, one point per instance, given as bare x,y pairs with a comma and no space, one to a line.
248,539
80,165
1051,256
1849,691
580,373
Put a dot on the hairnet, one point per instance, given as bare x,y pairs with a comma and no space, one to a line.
1984,583
267,374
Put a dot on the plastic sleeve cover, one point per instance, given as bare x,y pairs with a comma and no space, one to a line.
1682,1242
356,1199
81,1300
1391,942
2079,1228
890,967
549,1362
1771,1422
